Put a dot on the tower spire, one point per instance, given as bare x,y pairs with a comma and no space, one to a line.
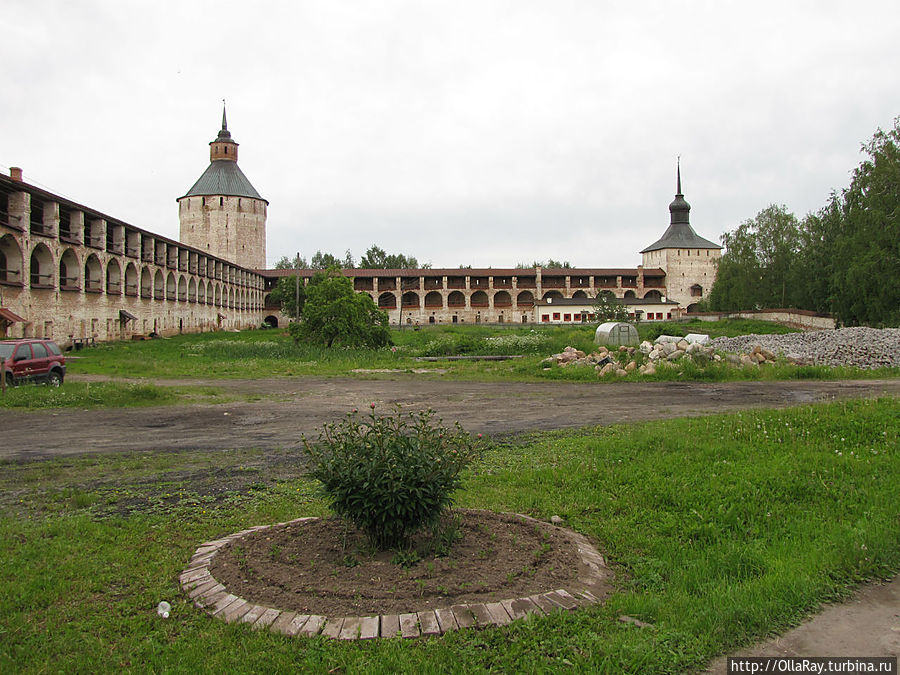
224,121
679,210
677,191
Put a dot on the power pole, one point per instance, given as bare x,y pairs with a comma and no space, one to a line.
297,291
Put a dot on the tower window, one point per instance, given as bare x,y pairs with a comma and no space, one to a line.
221,201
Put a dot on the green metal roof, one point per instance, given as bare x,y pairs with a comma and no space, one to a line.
223,177
680,234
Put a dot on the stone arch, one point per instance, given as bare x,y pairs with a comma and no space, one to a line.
692,308
41,267
131,280
387,301
10,260
93,274
502,299
159,285
410,300
579,295
433,300
171,286
201,292
69,270
231,298
479,299
552,294
271,321
192,290
629,295
525,299
653,295
146,283
182,288
456,299
113,278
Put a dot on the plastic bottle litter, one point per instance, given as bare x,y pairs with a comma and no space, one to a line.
163,609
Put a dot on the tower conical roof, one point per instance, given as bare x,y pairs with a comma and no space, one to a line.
680,234
223,177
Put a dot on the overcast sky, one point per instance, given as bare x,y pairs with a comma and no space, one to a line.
461,132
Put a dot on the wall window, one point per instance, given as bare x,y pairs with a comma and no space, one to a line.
556,316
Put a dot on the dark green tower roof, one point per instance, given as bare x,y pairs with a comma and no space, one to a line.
223,177
680,234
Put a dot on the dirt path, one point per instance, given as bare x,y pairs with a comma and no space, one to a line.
296,406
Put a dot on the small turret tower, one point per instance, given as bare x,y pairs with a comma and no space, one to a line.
223,213
688,259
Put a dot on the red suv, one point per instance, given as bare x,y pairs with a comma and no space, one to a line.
33,360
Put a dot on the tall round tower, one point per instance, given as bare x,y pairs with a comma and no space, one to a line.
688,260
223,213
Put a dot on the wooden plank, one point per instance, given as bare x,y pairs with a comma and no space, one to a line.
520,607
482,615
498,613
545,604
312,626
283,622
296,624
350,629
428,622
409,625
368,628
390,625
332,627
560,600
252,614
267,618
235,611
463,615
446,620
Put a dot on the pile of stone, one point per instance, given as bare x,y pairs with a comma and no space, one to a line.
670,349
860,347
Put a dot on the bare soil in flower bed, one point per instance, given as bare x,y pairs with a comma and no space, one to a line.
318,567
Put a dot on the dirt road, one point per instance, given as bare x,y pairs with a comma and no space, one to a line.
296,406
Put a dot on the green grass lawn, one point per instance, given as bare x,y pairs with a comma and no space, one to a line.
265,353
106,395
721,530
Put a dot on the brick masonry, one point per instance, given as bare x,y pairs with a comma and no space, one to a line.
214,598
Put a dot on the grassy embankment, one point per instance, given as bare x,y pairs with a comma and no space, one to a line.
721,531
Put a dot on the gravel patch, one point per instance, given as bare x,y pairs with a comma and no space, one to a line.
860,347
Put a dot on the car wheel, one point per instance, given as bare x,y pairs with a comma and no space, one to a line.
54,379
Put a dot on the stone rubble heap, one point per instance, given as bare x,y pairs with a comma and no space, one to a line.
859,347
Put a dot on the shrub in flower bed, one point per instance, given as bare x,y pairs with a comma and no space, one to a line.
390,475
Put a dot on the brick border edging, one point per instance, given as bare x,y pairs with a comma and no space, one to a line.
207,593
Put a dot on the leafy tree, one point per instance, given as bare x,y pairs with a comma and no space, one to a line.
289,296
323,261
285,263
863,237
757,268
550,264
377,258
333,313
607,307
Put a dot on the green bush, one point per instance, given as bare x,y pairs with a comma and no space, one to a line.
390,475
